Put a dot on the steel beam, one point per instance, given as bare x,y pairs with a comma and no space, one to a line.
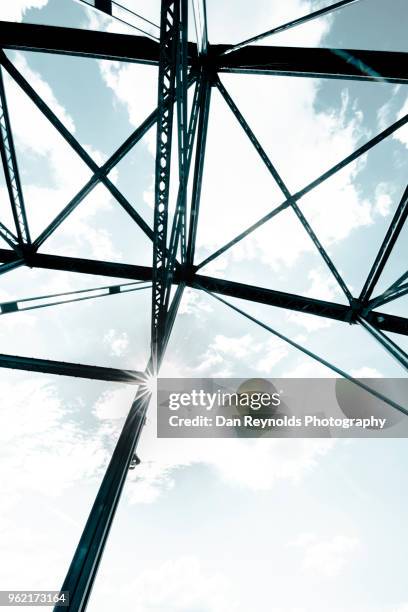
32,303
78,42
393,349
76,370
388,66
297,303
104,170
11,173
260,295
205,99
384,252
8,237
185,140
353,64
88,554
388,296
292,24
170,26
79,265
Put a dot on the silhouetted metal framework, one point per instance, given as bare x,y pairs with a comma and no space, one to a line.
182,64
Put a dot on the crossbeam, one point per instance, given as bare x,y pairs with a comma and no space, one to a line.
261,295
76,370
387,66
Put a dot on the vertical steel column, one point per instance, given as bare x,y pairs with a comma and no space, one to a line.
169,45
11,174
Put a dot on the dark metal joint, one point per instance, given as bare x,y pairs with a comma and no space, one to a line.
355,311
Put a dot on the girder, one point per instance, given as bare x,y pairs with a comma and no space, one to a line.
385,66
262,295
11,173
171,14
76,370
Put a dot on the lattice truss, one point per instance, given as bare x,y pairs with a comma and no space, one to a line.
184,65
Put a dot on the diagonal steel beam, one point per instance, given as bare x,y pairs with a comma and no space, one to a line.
385,250
88,554
388,296
323,177
104,170
9,237
291,24
282,186
400,280
71,140
11,173
393,349
11,265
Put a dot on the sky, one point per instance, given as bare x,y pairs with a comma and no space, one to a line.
206,525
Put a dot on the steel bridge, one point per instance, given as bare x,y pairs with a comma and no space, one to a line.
182,65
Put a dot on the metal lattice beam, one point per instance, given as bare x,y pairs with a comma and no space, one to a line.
168,69
11,173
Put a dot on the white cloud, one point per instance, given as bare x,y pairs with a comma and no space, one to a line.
227,353
118,342
14,11
113,405
193,303
42,448
310,369
402,134
383,200
182,584
366,372
326,557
